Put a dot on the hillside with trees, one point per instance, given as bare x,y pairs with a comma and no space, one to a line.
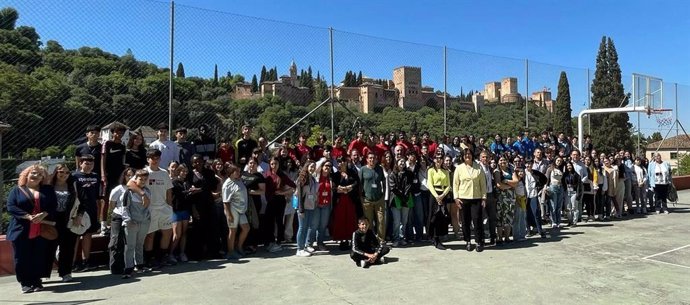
49,94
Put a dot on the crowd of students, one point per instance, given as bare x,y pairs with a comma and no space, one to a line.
372,194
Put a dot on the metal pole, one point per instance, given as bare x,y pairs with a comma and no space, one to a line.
639,131
677,123
589,104
172,53
526,93
332,94
445,90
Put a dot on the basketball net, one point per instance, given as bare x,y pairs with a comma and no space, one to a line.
663,118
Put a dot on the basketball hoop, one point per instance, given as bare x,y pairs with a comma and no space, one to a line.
664,117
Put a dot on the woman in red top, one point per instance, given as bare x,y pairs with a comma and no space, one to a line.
278,186
322,212
344,206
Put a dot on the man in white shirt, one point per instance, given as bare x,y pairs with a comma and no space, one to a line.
170,150
160,207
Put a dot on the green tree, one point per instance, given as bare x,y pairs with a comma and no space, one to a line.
30,33
69,151
31,153
52,151
8,18
656,136
263,76
563,111
180,70
215,76
359,78
683,165
610,131
255,84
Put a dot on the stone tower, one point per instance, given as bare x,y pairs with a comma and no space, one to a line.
293,74
408,81
509,86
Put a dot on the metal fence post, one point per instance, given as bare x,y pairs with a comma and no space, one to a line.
172,53
526,93
332,91
445,90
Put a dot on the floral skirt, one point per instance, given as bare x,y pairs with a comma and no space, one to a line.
505,208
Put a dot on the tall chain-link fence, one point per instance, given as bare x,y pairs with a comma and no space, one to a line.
63,69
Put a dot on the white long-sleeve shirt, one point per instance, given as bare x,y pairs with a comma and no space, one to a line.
640,177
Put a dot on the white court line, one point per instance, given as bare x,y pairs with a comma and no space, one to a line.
672,264
676,249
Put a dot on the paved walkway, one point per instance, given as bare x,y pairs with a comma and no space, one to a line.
644,260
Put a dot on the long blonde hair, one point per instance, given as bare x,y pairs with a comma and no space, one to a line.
24,175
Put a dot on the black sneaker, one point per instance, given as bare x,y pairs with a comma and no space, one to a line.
358,263
27,289
78,267
440,246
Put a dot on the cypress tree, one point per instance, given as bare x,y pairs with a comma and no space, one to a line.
255,84
359,78
215,75
180,70
610,131
563,110
263,76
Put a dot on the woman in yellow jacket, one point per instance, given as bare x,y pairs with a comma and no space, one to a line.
469,191
438,183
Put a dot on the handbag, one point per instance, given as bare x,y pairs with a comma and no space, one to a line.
672,193
48,230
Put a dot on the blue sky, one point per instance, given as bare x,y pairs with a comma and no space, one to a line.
487,40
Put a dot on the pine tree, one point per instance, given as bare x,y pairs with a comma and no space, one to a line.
180,70
255,84
611,131
215,75
263,75
562,110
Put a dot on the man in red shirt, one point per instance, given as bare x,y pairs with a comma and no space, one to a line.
432,145
291,151
317,150
402,141
358,143
303,151
226,152
338,147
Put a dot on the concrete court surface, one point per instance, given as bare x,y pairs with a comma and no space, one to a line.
642,260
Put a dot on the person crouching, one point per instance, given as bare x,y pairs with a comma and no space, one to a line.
366,248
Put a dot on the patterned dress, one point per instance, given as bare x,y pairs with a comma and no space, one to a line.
506,201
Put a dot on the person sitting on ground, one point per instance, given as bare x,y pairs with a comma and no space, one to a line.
366,248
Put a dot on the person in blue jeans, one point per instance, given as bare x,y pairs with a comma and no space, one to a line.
307,189
324,199
554,174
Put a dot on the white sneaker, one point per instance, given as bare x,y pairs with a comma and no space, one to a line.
658,212
302,253
666,212
310,249
365,264
183,258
